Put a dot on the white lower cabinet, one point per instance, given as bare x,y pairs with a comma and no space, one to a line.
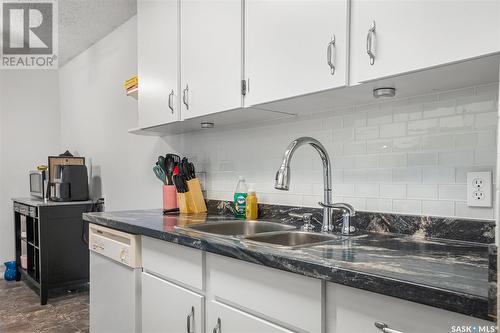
167,307
354,310
225,319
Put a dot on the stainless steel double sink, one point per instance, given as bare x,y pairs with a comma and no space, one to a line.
262,233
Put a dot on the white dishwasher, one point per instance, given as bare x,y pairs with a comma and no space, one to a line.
115,281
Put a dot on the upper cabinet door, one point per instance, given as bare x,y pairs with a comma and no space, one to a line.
158,61
211,56
294,47
404,36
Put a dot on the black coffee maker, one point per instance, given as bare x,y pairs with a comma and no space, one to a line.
70,183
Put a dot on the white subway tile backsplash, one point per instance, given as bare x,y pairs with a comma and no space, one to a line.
489,91
422,191
456,158
438,142
456,122
439,109
462,210
354,120
378,205
379,146
408,175
393,130
366,161
453,192
438,208
409,143
438,175
486,120
480,103
378,117
407,206
422,127
392,160
422,159
365,133
366,190
343,135
485,156
394,191
408,155
454,94
354,148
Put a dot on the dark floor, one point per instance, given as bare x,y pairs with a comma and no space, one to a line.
20,310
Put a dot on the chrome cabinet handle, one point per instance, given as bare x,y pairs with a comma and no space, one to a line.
170,101
190,317
369,43
217,328
185,97
385,328
330,55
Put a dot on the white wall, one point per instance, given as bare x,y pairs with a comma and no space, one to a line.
96,115
29,132
406,156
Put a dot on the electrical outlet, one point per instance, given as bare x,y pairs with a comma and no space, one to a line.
479,189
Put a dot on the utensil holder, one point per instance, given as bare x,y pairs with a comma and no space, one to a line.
169,197
197,201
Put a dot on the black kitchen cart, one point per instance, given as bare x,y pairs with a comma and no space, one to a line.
53,237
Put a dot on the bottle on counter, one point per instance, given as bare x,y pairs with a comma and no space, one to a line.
252,207
240,198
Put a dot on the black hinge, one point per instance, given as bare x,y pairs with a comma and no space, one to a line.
243,87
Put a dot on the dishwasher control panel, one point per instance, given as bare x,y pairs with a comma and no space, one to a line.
116,245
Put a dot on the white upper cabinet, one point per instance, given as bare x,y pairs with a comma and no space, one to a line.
211,56
158,63
413,34
294,47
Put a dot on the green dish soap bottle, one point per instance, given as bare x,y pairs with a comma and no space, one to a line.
240,198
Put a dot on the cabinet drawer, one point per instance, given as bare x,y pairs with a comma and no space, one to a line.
167,307
229,319
174,262
281,296
355,310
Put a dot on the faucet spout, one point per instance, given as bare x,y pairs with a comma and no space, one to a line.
282,181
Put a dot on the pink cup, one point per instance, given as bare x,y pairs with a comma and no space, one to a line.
169,197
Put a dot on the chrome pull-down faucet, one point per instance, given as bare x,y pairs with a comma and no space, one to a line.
282,182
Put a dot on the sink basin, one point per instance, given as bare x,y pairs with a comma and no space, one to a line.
238,228
291,239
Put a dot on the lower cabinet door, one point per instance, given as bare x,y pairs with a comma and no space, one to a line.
167,307
225,319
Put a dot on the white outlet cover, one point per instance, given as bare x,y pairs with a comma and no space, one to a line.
479,189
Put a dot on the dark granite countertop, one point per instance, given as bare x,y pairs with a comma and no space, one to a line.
452,275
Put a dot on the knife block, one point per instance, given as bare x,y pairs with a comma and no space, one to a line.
197,201
184,203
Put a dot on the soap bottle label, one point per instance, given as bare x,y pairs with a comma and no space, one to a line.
240,202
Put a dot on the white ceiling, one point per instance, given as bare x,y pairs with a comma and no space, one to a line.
84,22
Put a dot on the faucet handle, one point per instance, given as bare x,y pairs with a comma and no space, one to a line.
306,217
